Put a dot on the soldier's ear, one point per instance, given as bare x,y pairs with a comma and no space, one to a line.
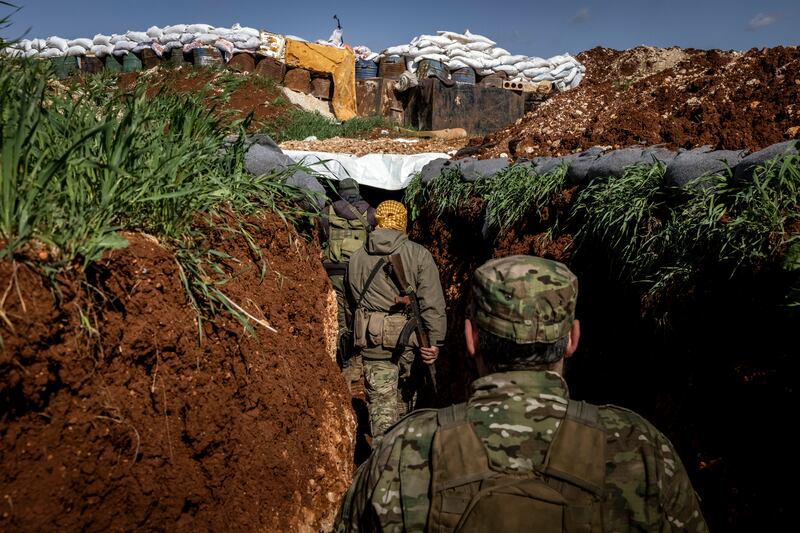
572,340
471,336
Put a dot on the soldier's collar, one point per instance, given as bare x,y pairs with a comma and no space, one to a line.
530,381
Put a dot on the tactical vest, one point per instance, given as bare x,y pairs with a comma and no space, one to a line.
562,494
345,236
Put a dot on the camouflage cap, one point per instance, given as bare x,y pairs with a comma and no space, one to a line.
525,299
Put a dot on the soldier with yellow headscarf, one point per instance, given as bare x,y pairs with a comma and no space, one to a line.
379,318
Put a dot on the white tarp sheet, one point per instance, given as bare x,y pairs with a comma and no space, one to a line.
384,171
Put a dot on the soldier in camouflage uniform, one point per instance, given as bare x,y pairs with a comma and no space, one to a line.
390,384
516,424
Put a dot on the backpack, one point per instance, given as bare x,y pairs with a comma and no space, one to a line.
562,494
345,236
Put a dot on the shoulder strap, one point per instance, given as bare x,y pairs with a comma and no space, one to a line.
371,277
577,453
359,214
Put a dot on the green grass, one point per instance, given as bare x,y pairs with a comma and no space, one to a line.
78,166
298,124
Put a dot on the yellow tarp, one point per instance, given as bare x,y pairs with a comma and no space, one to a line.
340,63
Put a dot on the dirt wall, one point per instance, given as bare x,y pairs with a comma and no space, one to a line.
114,417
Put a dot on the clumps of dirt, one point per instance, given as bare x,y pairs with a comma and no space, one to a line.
114,417
682,98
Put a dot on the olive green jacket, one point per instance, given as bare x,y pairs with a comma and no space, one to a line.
421,273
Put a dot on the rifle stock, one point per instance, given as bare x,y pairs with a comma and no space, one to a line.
422,336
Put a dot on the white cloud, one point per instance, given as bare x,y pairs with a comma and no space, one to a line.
761,21
582,15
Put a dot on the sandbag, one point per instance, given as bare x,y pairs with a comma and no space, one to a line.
57,42
51,52
479,46
154,32
83,43
692,164
478,169
612,164
434,169
169,38
207,38
101,40
102,50
138,36
478,38
263,156
310,184
177,28
75,51
580,164
746,168
125,45
198,28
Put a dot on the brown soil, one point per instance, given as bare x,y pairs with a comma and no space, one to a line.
115,418
679,97
390,143
255,94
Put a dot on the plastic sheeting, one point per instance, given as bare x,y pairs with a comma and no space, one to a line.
384,171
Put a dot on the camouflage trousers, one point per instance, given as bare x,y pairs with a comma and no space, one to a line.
391,391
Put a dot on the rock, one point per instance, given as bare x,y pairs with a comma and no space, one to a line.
321,88
242,62
309,103
298,79
271,68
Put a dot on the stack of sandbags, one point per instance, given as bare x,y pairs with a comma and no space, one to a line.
186,36
480,53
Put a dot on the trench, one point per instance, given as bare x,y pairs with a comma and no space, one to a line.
713,369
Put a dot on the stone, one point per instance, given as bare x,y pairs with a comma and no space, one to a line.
268,67
298,79
242,62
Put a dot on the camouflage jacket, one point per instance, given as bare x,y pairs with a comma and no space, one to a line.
515,414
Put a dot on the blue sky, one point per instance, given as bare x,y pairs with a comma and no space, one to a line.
523,27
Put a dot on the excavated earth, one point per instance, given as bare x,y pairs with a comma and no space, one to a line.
682,98
116,418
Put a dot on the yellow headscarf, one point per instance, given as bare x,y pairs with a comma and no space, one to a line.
391,214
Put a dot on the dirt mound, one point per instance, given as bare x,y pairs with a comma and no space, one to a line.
681,98
115,418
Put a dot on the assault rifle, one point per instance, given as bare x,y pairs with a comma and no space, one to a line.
409,298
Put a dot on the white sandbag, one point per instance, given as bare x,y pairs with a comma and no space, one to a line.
125,45
397,50
515,59
490,63
142,46
75,51
436,40
525,65
83,43
479,46
172,44
51,52
576,81
571,76
538,62
251,43
485,72
120,53
557,60
198,28
57,42
169,37
473,37
12,52
511,70
236,37
453,36
533,72
154,32
207,38
103,40
32,53
562,67
583,68
102,50
455,46
23,45
177,28
433,57
426,51
116,37
498,52
455,64
138,36
186,38
546,76
458,52
423,43
39,44
477,64
252,32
